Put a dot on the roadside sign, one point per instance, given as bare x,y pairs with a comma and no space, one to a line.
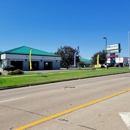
114,48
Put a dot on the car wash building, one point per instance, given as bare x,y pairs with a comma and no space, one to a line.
87,62
19,58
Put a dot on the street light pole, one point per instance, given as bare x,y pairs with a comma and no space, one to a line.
129,47
105,48
105,43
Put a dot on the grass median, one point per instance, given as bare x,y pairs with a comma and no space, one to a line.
40,78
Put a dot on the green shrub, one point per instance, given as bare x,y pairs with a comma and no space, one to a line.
10,73
81,64
0,73
18,71
8,68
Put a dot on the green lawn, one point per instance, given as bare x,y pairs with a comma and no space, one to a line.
39,78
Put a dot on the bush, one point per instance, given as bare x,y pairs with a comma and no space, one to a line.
102,66
91,66
11,73
116,65
8,68
109,65
0,73
81,64
18,71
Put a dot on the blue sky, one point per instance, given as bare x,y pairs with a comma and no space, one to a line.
49,24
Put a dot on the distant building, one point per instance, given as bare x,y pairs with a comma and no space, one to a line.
115,59
87,62
19,58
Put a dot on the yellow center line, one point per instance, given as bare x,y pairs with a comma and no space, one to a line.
70,110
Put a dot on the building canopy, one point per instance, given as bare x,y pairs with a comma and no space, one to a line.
85,60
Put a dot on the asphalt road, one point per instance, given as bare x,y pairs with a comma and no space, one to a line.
22,106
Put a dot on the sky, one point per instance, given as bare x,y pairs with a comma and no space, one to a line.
49,24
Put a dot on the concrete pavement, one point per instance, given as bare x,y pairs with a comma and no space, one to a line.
100,116
21,106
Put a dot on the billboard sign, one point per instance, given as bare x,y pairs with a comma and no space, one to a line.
114,48
113,51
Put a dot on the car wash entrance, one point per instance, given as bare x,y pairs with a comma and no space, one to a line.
35,65
47,65
17,64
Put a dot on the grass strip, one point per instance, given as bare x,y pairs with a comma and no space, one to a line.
40,78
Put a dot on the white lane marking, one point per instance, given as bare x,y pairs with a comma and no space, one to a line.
126,118
12,99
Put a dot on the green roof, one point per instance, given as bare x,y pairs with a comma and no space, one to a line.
85,60
25,51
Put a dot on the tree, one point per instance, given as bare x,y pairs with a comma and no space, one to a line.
102,57
67,55
56,53
81,64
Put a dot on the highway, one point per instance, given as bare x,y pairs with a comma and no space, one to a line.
28,105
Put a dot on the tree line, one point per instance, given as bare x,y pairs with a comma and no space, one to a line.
67,56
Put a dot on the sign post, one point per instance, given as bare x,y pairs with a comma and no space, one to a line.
129,47
114,48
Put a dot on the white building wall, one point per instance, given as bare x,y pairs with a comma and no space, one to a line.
26,65
119,59
13,56
3,56
56,65
108,60
7,58
124,60
41,65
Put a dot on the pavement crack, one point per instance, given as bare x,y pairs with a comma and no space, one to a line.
86,127
69,87
63,120
23,110
11,128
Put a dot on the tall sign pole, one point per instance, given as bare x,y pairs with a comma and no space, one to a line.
105,47
129,47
